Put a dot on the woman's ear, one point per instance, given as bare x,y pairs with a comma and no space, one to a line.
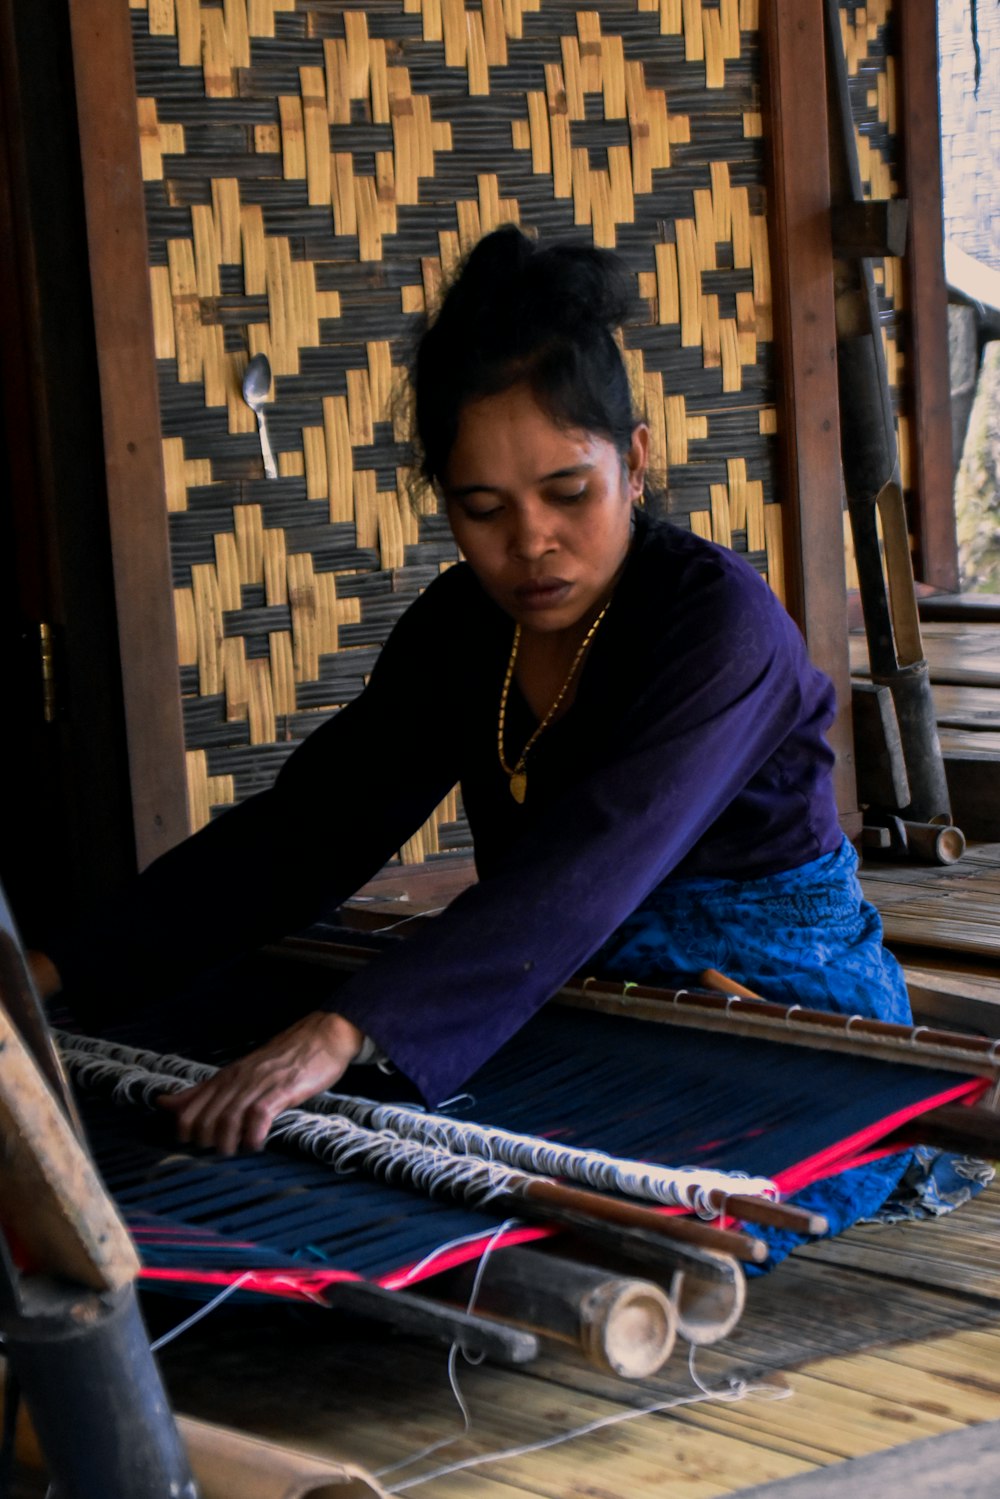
637,460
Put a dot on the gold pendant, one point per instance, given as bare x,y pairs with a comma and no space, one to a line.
519,786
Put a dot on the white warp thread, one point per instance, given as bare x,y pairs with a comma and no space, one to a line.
337,1142
688,1187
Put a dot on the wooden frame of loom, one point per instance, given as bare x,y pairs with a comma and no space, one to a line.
809,461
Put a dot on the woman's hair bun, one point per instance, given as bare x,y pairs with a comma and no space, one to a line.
510,281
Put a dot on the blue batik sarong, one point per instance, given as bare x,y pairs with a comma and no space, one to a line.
806,937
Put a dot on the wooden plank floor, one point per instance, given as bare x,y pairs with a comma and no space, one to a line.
958,654
954,910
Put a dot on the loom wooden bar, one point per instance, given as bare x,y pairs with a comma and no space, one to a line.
952,1127
423,1316
552,1202
936,560
948,1050
802,281
116,236
762,1210
742,1017
24,1010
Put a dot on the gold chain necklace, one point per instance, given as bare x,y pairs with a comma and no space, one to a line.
518,775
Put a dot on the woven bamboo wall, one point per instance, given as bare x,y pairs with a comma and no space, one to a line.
312,171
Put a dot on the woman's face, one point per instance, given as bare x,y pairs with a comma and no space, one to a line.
542,513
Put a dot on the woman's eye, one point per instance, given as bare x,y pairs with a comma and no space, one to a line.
477,515
569,499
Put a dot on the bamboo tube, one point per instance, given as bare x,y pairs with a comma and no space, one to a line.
226,1463
707,1309
621,1325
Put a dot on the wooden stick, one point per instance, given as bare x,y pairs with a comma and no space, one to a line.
719,983
762,1210
555,1203
881,1040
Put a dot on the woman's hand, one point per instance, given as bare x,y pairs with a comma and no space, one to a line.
239,1105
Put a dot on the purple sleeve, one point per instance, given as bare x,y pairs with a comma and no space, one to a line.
343,804
726,693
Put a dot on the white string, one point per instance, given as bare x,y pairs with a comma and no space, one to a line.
441,1249
415,916
692,1188
453,1352
203,1311
736,1390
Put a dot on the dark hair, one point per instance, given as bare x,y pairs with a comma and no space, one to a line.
520,312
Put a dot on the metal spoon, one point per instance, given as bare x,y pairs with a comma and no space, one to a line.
256,384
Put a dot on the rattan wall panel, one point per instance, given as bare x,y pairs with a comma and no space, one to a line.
312,172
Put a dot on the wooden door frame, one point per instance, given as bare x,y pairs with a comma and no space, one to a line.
123,316
809,464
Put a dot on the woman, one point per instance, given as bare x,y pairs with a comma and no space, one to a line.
635,724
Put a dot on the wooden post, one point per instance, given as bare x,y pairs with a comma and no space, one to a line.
808,407
936,559
116,237
52,1196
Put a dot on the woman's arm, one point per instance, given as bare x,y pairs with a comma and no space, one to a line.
702,728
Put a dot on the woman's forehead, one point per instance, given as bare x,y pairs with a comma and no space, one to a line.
513,427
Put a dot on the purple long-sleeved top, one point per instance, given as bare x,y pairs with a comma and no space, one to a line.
694,746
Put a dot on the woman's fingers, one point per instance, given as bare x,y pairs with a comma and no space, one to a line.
239,1105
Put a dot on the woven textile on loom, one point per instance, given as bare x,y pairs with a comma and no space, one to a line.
627,1087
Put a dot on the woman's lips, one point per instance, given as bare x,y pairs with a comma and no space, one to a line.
544,594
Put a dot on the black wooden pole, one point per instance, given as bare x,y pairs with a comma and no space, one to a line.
96,1400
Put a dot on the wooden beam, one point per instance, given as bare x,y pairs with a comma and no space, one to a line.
874,227
116,238
932,464
51,1195
808,407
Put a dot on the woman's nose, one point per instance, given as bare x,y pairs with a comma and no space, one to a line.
531,535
